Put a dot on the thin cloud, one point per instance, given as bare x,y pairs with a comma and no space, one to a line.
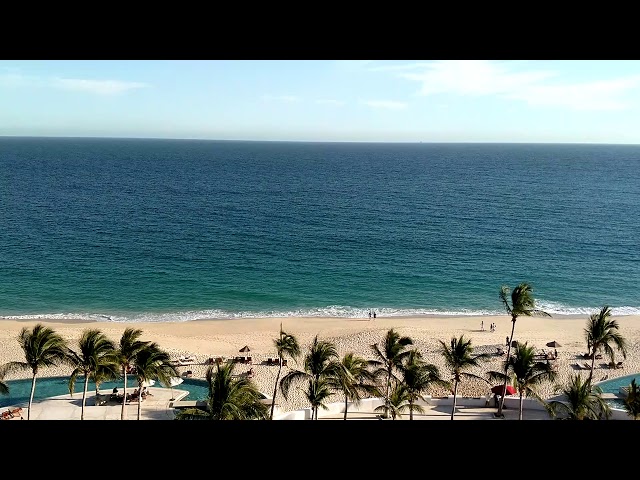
483,77
388,104
99,87
352,64
392,68
472,77
281,98
336,103
17,80
602,95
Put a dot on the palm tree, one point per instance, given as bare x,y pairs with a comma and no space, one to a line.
317,393
389,356
286,345
354,380
97,354
320,364
458,356
417,376
4,388
522,304
152,363
527,372
129,347
632,401
42,347
582,402
104,373
601,331
399,401
230,398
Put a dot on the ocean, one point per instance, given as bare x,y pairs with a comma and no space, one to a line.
177,230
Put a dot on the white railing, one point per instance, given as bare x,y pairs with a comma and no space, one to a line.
368,405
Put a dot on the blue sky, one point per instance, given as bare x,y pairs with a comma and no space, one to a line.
577,101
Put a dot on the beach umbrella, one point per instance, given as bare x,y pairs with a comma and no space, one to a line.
553,344
245,350
172,383
498,389
148,383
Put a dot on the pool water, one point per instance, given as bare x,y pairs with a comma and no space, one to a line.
46,387
613,386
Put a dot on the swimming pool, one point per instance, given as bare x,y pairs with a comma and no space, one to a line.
46,387
613,386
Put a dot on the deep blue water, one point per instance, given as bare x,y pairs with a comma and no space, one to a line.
164,230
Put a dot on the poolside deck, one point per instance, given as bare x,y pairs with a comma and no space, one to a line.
67,407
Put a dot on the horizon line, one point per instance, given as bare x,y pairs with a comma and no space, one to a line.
90,137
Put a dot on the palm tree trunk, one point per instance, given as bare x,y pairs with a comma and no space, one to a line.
410,410
84,395
275,389
593,361
346,405
455,392
139,398
521,404
124,394
33,389
386,395
506,367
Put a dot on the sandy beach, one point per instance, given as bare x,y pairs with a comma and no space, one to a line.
212,338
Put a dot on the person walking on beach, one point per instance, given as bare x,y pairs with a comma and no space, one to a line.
374,314
369,314
482,325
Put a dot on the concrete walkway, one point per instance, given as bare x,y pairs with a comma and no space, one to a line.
444,413
157,406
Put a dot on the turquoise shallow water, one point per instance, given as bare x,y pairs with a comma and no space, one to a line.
19,390
176,230
613,386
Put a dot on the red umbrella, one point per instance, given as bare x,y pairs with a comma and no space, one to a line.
498,389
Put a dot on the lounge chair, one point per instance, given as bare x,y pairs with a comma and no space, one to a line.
619,365
586,366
